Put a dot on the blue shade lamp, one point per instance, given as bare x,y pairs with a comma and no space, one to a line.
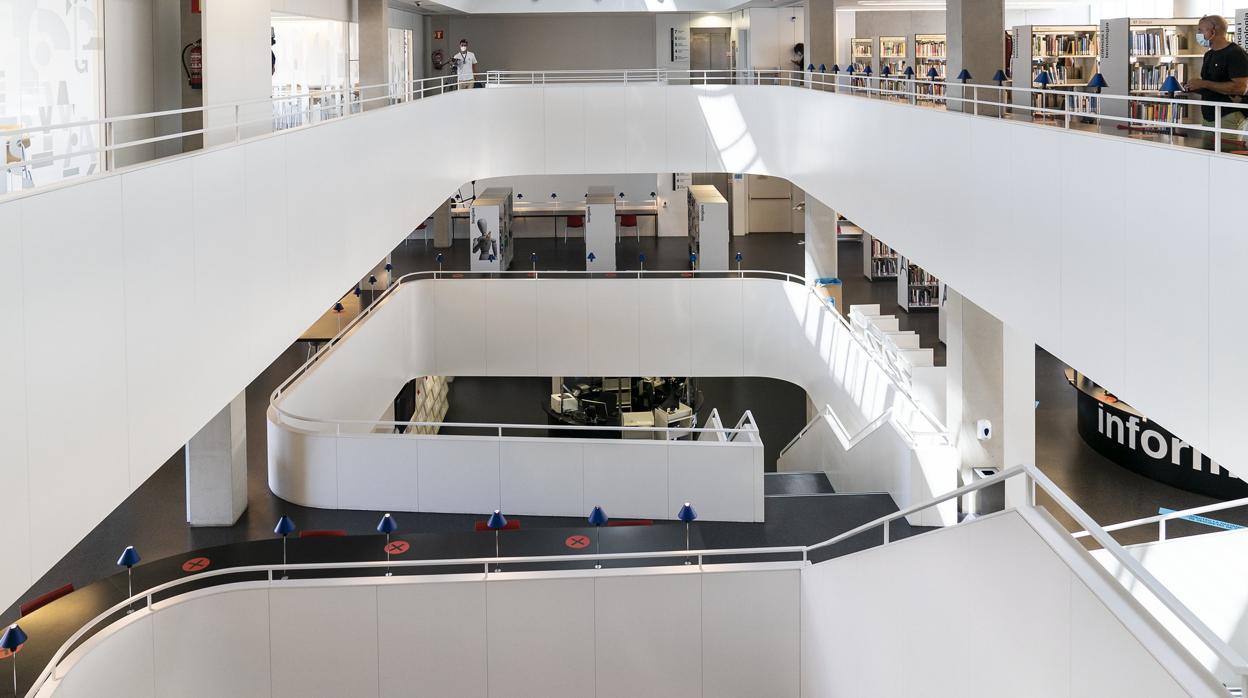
932,73
822,68
885,71
999,77
835,69
590,257
284,528
1171,85
641,258
811,67
1097,82
693,260
387,525
738,259
909,71
14,637
688,515
129,558
597,519
1043,79
440,258
496,524
964,76
849,69
533,260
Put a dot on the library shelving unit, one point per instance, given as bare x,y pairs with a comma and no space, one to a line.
929,52
860,53
846,230
916,288
893,55
879,261
1068,54
431,403
1137,55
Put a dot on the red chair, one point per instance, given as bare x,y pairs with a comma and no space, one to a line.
40,601
512,524
322,533
628,220
574,222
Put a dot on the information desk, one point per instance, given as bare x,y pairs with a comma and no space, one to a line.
1119,432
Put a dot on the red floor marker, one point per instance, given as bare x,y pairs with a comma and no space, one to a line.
398,547
577,542
196,564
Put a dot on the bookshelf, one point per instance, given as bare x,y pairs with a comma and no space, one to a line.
916,289
879,261
846,230
1137,55
1068,53
860,53
929,52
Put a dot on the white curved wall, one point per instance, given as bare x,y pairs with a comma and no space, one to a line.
560,327
146,262
670,631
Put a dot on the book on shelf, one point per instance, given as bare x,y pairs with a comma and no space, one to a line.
883,267
1060,73
1152,76
1079,45
929,47
892,47
919,276
1160,41
924,297
1158,111
879,249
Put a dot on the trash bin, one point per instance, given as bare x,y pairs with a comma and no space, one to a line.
987,499
830,287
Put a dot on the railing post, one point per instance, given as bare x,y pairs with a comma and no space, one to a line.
975,99
886,527
1161,530
238,129
1217,142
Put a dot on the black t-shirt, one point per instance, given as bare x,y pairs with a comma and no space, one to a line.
1222,65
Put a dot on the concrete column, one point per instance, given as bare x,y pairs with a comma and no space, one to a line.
820,33
216,468
374,18
443,226
975,40
820,248
992,376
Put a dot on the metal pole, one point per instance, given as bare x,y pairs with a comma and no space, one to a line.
388,555
497,566
687,561
129,594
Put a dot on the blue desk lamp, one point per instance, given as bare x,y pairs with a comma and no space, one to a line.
129,558
12,640
688,515
597,519
496,523
284,528
387,525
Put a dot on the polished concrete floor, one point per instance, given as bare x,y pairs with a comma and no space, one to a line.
153,517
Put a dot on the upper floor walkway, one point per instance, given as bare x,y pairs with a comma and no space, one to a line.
189,274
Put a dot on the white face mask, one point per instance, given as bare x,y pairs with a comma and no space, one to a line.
1200,39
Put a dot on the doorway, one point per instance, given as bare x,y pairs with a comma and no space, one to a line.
711,49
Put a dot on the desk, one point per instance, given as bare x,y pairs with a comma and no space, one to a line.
331,323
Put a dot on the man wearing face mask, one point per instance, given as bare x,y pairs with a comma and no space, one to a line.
1223,75
465,65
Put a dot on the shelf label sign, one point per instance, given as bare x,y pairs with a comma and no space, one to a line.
1104,48
1241,26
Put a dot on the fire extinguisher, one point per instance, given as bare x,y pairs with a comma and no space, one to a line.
193,64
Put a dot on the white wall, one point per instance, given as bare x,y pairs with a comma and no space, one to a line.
1206,573
1008,605
155,378
129,84
673,631
773,32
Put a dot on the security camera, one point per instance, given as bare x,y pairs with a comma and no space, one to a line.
983,430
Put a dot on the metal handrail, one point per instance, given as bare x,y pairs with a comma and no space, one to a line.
909,89
1032,476
1161,519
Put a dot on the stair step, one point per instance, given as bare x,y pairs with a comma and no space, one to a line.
789,484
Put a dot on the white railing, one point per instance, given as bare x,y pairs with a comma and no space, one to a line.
1161,519
981,100
934,433
1032,477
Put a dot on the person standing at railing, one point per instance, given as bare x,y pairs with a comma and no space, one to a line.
1223,76
465,63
